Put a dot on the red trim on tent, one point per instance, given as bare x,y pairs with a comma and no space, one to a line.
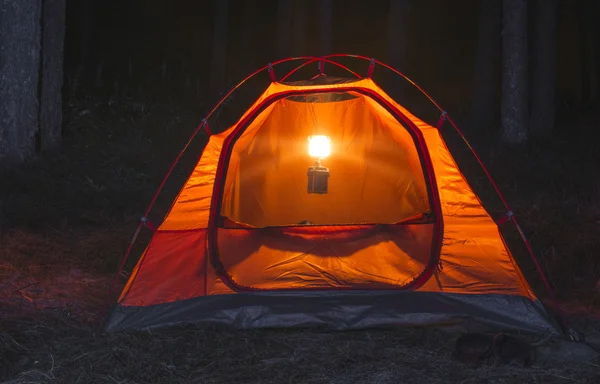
371,68
441,120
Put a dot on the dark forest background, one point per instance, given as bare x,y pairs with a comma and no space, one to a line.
160,49
190,52
98,96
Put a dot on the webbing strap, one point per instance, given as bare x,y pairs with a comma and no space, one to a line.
441,120
506,218
321,67
271,72
371,68
148,224
206,127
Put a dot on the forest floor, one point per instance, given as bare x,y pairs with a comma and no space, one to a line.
66,219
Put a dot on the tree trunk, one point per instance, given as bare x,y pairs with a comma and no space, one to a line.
299,27
544,68
397,33
514,108
20,25
219,49
487,55
53,34
325,22
285,12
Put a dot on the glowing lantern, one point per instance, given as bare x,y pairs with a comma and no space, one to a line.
319,146
318,175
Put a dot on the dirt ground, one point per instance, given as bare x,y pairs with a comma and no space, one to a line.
49,333
66,219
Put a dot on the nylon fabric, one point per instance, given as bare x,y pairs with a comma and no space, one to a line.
385,256
374,167
173,268
191,208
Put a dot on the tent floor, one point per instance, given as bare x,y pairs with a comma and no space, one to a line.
342,311
389,256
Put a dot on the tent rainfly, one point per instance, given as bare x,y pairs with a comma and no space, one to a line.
328,204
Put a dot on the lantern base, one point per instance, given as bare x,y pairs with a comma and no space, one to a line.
318,177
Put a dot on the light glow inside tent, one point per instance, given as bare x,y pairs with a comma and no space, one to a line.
319,146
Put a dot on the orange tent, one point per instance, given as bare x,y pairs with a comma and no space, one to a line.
398,238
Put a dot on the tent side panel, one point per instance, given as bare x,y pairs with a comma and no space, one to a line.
191,208
174,268
474,254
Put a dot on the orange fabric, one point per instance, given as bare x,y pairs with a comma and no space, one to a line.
326,257
173,268
473,255
475,258
191,207
374,167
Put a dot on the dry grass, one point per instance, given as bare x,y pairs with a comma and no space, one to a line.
59,348
66,219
